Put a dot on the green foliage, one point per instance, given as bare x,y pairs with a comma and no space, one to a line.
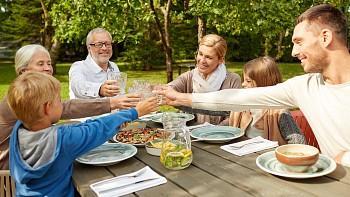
252,28
23,22
73,19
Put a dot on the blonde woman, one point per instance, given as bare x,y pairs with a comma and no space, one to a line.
272,124
209,75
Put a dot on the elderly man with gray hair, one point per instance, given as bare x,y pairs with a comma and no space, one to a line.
88,78
35,57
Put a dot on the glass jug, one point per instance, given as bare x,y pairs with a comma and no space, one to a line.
176,150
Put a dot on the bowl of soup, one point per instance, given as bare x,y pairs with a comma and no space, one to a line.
297,157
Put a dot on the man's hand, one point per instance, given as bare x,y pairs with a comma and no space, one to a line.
147,106
173,97
109,88
124,102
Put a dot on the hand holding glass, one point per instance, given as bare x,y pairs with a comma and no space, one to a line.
120,78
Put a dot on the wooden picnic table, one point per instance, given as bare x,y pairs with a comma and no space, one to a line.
215,172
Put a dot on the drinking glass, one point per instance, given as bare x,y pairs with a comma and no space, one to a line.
121,79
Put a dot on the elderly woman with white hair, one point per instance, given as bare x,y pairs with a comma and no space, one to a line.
35,57
209,75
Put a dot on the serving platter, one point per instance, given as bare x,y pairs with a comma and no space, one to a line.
138,136
269,163
108,154
216,134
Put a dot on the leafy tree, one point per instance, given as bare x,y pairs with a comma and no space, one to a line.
29,22
23,23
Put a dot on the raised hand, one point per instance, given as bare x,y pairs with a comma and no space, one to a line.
173,97
147,106
125,101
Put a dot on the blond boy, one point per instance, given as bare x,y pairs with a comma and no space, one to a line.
42,155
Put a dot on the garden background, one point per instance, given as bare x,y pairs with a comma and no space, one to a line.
152,37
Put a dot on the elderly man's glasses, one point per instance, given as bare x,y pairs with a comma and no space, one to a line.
101,44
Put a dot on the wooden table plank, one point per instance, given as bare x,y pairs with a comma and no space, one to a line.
84,175
215,172
192,179
245,178
325,186
131,165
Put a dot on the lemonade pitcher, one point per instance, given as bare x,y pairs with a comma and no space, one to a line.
176,150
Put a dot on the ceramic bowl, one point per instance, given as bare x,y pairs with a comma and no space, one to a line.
297,157
154,147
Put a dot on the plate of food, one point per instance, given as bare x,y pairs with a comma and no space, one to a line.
158,116
216,134
269,163
138,136
108,154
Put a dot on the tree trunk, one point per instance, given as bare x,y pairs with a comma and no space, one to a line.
165,36
266,46
54,52
47,40
202,27
280,51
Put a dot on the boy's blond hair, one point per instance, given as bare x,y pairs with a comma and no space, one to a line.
29,92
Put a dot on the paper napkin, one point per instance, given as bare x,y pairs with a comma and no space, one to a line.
249,146
128,183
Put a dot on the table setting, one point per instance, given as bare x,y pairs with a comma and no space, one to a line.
169,155
175,153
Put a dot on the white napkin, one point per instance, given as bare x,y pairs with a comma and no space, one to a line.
128,183
249,146
200,125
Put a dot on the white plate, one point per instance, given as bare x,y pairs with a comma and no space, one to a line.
108,154
158,116
217,134
268,163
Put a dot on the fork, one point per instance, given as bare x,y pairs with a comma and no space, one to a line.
235,147
110,183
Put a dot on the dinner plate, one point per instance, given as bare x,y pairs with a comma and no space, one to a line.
216,134
158,116
108,154
268,163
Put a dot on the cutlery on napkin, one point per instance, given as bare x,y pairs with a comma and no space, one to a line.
200,125
249,146
128,183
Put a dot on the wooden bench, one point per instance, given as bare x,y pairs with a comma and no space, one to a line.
187,67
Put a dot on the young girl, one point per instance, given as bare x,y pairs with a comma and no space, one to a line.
273,124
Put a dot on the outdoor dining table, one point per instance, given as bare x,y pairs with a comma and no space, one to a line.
215,172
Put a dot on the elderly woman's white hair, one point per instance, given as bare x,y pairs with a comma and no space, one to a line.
25,54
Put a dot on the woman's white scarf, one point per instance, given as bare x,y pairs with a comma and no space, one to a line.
212,83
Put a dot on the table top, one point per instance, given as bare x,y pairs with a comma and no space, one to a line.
215,172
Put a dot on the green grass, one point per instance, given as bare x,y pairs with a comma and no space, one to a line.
7,74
